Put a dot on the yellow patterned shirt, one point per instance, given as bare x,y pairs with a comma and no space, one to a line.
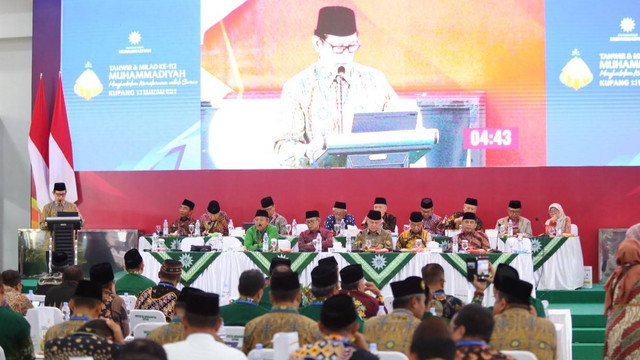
281,319
407,240
517,329
17,302
167,334
63,329
392,332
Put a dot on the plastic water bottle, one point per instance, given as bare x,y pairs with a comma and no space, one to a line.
126,302
66,312
432,310
259,347
231,228
226,295
154,242
373,348
343,227
318,243
265,243
510,227
381,311
502,230
294,230
30,296
454,244
222,332
165,228
395,230
348,244
197,229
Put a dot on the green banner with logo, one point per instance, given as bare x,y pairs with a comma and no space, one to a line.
379,268
299,261
459,261
193,263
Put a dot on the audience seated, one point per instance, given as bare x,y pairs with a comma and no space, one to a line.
99,339
143,349
255,235
446,305
379,238
114,306
455,220
133,282
407,239
389,221
339,213
519,224
214,220
274,218
306,238
354,285
515,327
432,339
174,331
324,284
85,305
15,337
431,222
163,296
278,264
622,304
17,301
59,262
393,331
472,326
201,324
559,223
246,308
181,225
339,327
59,294
284,316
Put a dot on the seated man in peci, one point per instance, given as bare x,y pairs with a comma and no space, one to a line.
432,223
339,214
163,297
275,219
133,282
373,234
255,235
85,305
246,308
324,284
388,221
477,239
407,240
174,331
517,223
455,221
181,225
445,305
306,238
214,220
354,285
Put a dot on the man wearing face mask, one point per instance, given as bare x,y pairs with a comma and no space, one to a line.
321,100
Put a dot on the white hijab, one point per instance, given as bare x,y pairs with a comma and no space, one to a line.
561,219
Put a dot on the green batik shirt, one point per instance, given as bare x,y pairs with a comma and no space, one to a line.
281,319
15,338
167,334
392,332
241,312
133,283
253,238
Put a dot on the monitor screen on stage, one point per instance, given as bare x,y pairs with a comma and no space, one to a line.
265,84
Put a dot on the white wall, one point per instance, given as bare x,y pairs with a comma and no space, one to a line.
15,118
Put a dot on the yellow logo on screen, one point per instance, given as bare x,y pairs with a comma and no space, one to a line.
576,73
88,84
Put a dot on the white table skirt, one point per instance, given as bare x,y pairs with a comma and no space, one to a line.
226,270
564,270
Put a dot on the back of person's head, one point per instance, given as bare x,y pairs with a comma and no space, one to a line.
285,286
432,274
97,327
72,273
251,282
477,322
324,279
88,295
170,271
203,310
514,291
143,349
279,264
183,298
11,278
338,314
432,348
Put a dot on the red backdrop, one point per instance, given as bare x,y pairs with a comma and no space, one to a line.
594,197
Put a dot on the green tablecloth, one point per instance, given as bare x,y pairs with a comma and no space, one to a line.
193,263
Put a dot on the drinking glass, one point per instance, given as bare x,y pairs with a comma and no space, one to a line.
288,227
158,229
192,227
336,229
406,227
465,245
418,243
367,244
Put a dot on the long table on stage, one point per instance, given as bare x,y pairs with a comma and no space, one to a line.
212,271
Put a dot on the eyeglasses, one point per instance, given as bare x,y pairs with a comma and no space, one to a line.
339,49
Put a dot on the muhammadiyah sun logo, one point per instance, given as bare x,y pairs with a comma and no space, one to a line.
576,73
88,84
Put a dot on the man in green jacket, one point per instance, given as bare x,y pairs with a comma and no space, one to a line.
278,264
133,282
15,337
246,308
254,236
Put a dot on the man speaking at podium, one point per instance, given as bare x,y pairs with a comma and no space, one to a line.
322,99
59,204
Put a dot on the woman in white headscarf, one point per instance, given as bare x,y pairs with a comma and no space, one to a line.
559,223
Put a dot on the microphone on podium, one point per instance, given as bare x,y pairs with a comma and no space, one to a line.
341,70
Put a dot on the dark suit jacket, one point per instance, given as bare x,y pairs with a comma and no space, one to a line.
60,293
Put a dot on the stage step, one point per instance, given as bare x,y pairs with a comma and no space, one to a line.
588,335
588,351
593,295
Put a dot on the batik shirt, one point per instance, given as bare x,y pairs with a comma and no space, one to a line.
65,328
17,302
280,222
366,305
167,334
81,344
281,319
517,329
316,104
379,240
47,282
220,225
407,240
181,226
451,223
306,238
446,305
330,221
162,297
115,309
434,225
51,210
476,239
392,332
331,347
479,351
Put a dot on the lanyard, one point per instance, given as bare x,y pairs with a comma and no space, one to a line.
316,303
471,343
55,204
83,318
165,284
248,302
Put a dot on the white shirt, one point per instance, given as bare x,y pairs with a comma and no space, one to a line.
201,346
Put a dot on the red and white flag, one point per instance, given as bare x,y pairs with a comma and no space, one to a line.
39,148
60,150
